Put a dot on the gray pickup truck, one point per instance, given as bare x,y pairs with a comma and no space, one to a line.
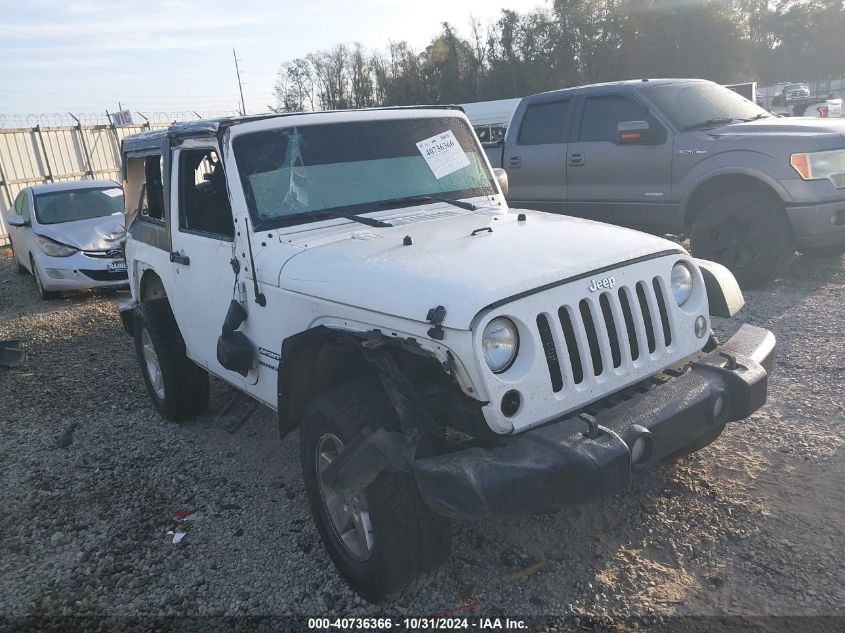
683,156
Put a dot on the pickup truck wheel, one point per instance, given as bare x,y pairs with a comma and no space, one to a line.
823,252
744,232
384,537
177,387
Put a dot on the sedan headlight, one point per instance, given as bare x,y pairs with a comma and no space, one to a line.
53,248
681,282
500,343
819,165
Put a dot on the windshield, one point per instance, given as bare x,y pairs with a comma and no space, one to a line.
81,204
294,174
694,103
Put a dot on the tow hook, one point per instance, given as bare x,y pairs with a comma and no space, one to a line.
731,363
593,430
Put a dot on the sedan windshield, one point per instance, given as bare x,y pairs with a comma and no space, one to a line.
79,204
697,104
297,174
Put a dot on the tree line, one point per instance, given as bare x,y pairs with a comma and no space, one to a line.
572,42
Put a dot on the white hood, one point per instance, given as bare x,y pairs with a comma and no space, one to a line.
94,234
446,265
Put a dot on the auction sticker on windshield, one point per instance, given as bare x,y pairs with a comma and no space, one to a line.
443,154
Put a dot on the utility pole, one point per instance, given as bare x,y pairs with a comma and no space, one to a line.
240,85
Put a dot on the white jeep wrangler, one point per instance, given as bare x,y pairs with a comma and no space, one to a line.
443,356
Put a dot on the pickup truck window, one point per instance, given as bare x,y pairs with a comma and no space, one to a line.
691,104
293,175
542,123
603,113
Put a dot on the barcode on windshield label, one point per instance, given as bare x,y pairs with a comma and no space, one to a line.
443,154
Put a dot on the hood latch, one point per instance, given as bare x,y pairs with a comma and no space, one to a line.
435,316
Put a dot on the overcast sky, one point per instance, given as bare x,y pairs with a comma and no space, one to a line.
175,55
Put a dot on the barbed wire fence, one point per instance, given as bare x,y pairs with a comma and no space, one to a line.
70,119
56,147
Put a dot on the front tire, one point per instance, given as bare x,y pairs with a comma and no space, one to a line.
177,387
19,268
46,295
746,232
385,537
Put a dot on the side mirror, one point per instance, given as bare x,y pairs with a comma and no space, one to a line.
636,133
16,219
502,179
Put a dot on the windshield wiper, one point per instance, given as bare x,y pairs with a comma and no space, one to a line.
340,214
428,198
762,115
709,123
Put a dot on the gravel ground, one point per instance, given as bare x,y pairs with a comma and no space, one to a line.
92,480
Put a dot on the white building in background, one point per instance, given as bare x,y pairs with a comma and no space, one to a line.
490,118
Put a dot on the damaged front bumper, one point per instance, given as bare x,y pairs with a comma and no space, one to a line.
580,458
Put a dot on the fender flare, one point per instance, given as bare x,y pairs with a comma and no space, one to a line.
732,170
371,349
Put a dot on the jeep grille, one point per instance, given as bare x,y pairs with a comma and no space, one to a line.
586,341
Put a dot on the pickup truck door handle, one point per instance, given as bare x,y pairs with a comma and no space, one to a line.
515,161
576,160
178,258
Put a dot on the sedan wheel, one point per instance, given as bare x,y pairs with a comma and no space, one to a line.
45,294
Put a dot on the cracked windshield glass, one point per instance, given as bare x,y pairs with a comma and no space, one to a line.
295,174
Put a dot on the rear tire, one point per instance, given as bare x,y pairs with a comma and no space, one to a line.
824,252
46,295
402,538
746,232
177,387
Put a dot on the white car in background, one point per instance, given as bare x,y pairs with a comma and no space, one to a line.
69,235
832,109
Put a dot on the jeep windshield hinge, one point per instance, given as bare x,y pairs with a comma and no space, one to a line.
435,316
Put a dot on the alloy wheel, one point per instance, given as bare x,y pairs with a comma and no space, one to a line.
349,516
152,365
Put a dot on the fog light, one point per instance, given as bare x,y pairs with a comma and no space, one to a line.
720,408
701,326
639,449
510,403
59,273
641,444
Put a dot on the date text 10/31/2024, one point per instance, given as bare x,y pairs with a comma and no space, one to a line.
416,624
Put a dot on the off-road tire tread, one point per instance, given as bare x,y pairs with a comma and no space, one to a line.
186,384
420,540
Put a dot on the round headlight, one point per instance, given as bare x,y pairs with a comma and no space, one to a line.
500,343
681,282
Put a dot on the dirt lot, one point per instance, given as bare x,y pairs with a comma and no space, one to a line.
92,480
